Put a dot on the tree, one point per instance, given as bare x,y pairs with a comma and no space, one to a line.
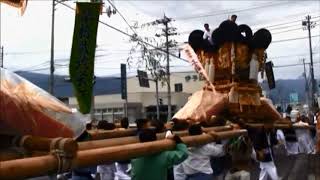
152,58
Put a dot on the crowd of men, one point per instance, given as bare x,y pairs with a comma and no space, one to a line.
229,159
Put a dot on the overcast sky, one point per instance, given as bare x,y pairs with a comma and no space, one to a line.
26,39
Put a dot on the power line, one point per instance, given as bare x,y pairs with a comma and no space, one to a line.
286,27
298,15
291,65
285,23
131,36
122,17
293,55
289,30
159,49
13,53
38,67
234,11
269,27
293,39
281,27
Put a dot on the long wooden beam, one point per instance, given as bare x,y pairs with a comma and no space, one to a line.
44,165
279,126
108,134
134,139
34,143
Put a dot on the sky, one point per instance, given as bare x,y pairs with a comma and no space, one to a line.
26,39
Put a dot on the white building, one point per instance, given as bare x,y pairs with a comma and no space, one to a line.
142,101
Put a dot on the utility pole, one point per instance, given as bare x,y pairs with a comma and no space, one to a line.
306,82
51,80
168,31
308,25
1,57
1,47
157,97
166,21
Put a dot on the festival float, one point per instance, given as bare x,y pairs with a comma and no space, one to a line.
38,132
230,66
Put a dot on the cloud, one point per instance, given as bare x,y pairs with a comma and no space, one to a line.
31,32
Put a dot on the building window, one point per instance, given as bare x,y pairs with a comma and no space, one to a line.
201,78
178,87
195,77
188,78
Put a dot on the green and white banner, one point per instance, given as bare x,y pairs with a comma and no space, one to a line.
81,66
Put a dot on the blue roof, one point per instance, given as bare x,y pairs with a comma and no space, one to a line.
63,88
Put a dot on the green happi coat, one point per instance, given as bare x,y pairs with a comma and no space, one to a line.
154,167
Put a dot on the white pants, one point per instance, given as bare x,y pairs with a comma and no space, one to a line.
241,175
268,169
179,173
122,171
106,171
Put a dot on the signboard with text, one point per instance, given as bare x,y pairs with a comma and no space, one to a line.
294,97
143,79
269,74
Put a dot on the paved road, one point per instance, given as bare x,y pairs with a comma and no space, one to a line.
299,167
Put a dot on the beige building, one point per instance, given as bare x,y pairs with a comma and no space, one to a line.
142,101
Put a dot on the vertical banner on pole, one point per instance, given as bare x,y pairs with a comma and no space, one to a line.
123,81
124,94
81,66
269,73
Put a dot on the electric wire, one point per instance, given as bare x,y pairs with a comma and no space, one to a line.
229,12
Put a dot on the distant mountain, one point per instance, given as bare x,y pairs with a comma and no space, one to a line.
280,95
111,85
63,88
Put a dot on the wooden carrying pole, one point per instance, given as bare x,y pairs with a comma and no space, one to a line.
103,134
33,143
279,126
107,134
134,139
50,164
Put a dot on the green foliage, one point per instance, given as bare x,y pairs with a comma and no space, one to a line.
153,59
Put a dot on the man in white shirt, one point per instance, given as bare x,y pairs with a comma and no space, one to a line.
197,166
303,134
207,34
291,140
263,140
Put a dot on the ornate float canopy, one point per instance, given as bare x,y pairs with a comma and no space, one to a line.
21,4
231,58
